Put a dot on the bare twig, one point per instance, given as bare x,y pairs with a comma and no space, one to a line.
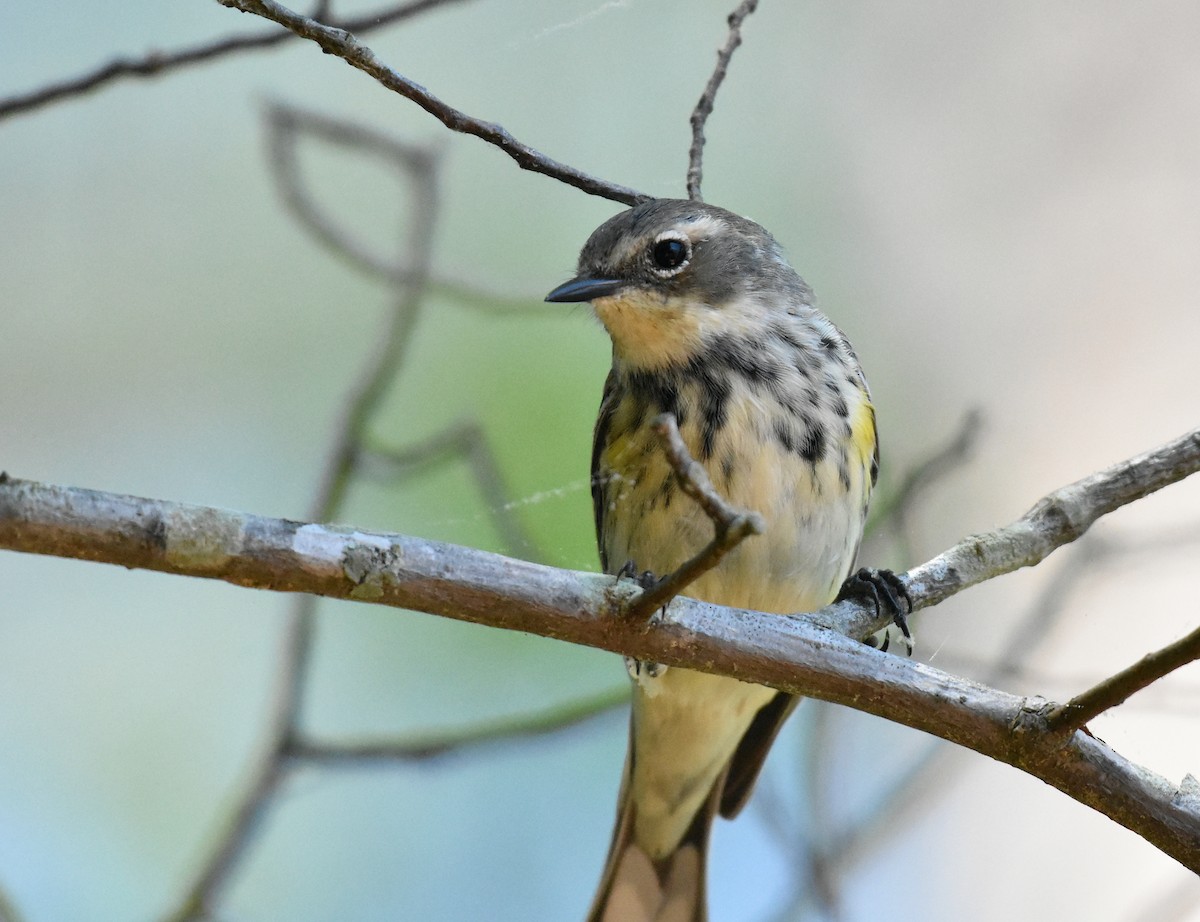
285,123
704,107
340,43
453,742
1076,713
930,772
156,63
731,526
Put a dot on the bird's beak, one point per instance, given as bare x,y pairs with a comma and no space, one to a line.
585,289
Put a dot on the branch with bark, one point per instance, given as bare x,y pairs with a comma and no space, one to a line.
812,655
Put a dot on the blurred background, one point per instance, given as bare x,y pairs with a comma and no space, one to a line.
999,203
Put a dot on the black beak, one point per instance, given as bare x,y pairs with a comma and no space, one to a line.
585,289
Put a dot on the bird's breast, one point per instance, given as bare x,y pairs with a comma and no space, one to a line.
801,471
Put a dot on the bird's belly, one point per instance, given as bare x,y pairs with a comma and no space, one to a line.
813,526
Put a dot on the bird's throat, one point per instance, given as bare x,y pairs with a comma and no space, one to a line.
650,332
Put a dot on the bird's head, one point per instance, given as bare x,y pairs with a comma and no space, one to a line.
666,276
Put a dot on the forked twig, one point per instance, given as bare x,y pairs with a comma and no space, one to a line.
704,107
286,123
731,526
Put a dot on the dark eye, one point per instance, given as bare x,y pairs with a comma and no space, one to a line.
670,253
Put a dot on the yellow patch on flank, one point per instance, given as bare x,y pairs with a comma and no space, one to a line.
863,437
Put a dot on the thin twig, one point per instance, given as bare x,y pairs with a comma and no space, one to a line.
340,43
285,126
704,107
1077,712
453,742
731,526
156,63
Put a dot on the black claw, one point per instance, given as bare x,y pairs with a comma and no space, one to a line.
886,591
646,579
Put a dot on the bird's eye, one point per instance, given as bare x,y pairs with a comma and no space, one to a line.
670,254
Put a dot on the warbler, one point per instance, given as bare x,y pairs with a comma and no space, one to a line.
710,323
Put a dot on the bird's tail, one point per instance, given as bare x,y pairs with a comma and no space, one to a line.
637,888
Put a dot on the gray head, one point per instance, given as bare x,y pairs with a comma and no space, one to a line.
667,274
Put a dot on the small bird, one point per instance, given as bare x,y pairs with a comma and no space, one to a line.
710,323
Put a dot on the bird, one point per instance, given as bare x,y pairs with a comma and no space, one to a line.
710,323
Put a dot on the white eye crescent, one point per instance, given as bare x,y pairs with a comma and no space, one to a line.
670,253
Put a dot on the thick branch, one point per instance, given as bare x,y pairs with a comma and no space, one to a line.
341,44
800,655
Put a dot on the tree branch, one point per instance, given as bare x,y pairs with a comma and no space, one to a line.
704,108
1056,519
1114,690
341,44
156,63
800,655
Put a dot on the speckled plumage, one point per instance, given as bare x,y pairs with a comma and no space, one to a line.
770,398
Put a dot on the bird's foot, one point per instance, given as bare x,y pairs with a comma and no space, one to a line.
646,579
887,592
640,671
